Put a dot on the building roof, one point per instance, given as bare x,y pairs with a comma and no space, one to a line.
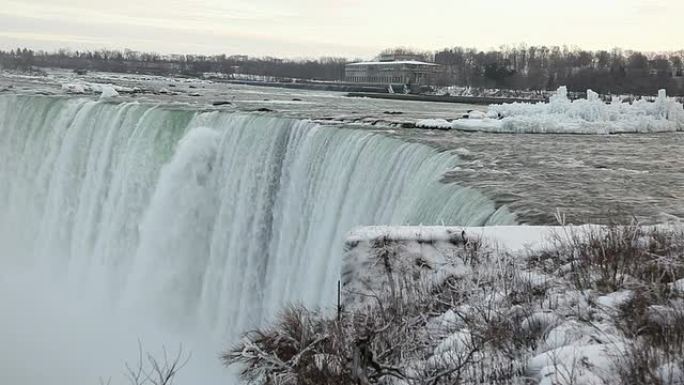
370,63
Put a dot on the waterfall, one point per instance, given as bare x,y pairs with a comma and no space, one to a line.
204,219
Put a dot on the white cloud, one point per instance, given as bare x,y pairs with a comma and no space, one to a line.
345,27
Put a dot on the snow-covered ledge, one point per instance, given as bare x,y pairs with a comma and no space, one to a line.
427,253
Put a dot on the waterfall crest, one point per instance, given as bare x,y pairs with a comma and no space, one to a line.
210,219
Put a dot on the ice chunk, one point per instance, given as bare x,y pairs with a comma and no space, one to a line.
74,88
108,92
592,96
475,114
439,124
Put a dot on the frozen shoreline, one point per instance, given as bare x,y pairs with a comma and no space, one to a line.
563,116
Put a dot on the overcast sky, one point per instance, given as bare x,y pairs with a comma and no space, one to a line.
351,28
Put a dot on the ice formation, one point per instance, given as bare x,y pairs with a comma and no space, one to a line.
105,90
583,116
108,92
439,124
74,88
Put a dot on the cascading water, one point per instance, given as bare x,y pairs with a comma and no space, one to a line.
203,221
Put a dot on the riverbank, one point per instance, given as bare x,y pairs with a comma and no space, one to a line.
314,86
480,100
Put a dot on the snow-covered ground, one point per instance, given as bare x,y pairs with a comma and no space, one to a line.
510,276
583,116
492,93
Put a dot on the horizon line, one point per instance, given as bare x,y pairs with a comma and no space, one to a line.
303,58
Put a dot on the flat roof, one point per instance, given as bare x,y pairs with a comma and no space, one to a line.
371,63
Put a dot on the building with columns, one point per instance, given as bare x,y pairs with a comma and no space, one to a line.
414,74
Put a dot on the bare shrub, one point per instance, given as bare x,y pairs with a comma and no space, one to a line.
644,363
387,341
606,258
306,347
150,370
294,351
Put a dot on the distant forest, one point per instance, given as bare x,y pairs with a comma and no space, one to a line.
524,68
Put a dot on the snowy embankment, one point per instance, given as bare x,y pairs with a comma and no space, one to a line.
566,305
561,115
528,279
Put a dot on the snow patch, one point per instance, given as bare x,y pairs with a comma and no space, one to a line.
585,363
678,286
615,300
458,342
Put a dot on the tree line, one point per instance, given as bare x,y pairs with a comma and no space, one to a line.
524,68
129,61
547,68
